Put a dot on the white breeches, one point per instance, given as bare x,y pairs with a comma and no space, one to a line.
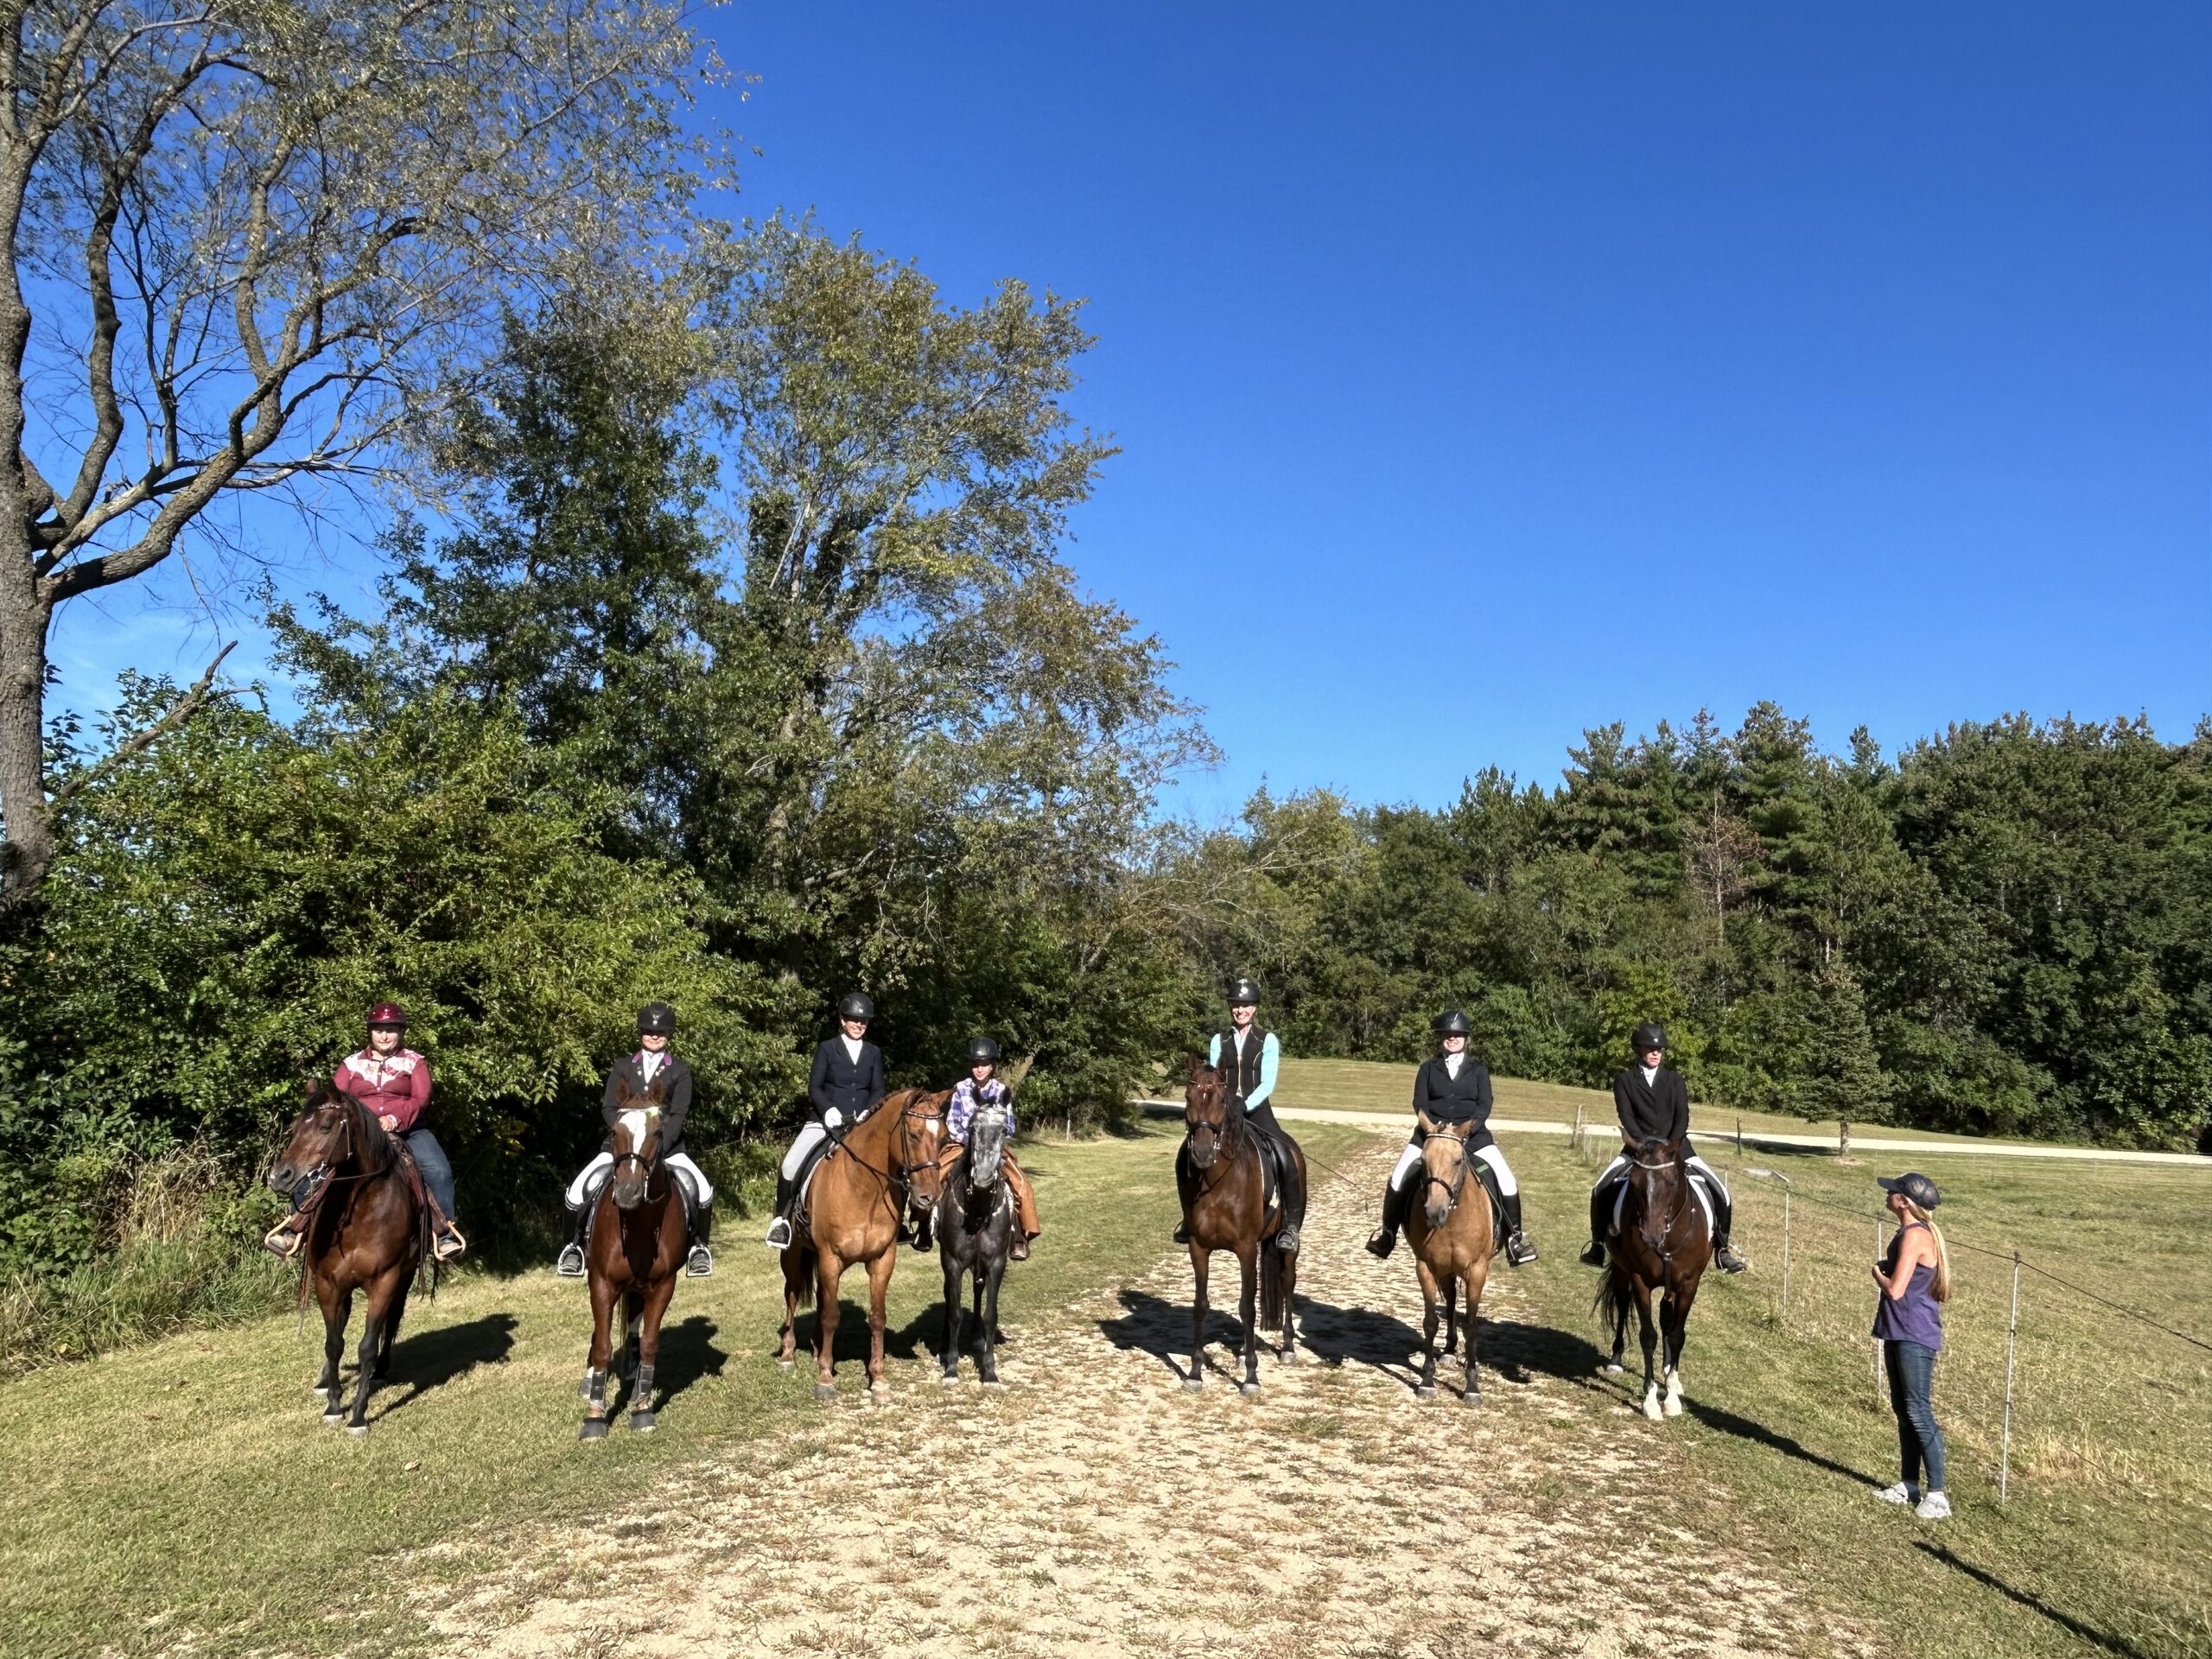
811,1135
702,1190
1409,1160
1698,1167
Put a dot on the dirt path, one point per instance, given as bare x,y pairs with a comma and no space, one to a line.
1092,1506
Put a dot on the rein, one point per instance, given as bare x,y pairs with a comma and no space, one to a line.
1229,1137
908,1166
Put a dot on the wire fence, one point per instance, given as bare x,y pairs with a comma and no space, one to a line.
2074,1387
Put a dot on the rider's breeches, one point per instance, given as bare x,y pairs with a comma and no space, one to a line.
1409,1160
811,1135
702,1190
1025,1199
437,1173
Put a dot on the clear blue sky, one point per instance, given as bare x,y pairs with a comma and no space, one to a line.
1487,373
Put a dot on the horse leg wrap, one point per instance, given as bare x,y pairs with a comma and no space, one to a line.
641,1391
595,1392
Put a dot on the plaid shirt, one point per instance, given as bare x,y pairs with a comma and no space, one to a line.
967,1096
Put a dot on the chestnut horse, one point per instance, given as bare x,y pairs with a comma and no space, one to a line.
1221,1179
1452,1232
884,1166
637,1242
1662,1244
369,1230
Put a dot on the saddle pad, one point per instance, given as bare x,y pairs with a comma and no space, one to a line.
1697,1186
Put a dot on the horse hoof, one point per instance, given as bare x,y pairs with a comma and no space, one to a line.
1193,1384
991,1378
785,1364
1673,1407
331,1419
1652,1412
594,1428
356,1428
1472,1397
825,1393
1425,1392
1248,1390
643,1422
1612,1368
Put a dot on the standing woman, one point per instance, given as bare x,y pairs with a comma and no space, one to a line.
1916,1281
845,1086
1454,1087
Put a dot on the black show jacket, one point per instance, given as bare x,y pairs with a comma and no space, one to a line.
855,1088
674,1078
1463,1099
1658,1110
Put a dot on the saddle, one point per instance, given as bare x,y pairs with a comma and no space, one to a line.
684,1196
1487,1177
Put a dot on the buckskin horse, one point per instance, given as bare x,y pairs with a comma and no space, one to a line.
1221,1176
1662,1244
1453,1232
369,1229
974,1237
638,1238
883,1165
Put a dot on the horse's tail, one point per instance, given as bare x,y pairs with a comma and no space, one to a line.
1271,1307
1612,1303
804,1264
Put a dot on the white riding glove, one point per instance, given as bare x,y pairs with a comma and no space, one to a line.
833,1119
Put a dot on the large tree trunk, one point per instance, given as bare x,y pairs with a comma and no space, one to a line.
28,850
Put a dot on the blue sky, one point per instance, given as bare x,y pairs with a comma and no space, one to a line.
1483,374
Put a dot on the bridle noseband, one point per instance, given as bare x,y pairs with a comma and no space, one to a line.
1458,1184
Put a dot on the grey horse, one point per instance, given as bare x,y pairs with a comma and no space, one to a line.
975,1235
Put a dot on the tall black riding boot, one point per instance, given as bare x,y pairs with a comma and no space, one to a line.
1601,1223
570,1262
1726,1255
700,1261
1518,1250
780,1229
1394,1217
1293,1203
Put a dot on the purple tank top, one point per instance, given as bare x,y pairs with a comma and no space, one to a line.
1916,1316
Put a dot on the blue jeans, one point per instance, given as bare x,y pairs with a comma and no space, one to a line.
437,1173
1920,1442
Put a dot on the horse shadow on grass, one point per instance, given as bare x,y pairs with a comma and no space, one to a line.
1153,1325
688,1352
2034,1604
430,1359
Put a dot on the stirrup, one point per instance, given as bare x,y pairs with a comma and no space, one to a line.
447,1245
780,1233
1285,1239
699,1263
1519,1251
1019,1250
1182,1232
283,1240
1384,1242
1594,1255
570,1264
1729,1259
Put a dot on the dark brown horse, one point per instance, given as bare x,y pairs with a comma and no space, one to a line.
638,1238
1221,1179
1662,1244
367,1230
885,1166
1452,1232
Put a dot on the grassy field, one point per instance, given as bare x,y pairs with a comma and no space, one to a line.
2105,1542
185,1494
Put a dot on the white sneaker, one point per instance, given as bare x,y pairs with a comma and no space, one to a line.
1936,1506
1900,1493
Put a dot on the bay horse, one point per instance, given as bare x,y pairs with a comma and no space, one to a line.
369,1230
1453,1233
974,1237
883,1165
1221,1177
1662,1244
638,1239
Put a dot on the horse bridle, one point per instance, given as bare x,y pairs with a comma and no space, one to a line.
1458,1185
651,1166
1225,1132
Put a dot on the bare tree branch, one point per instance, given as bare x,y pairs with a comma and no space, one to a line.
180,711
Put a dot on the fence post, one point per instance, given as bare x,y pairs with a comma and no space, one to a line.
1740,1137
1574,1140
1785,1253
2011,1336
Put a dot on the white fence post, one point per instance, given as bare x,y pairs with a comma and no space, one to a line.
2011,1340
1785,1253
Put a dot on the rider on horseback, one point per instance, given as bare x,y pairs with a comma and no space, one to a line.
982,1087
393,1083
845,1086
1452,1088
652,1063
1252,1059
1655,1105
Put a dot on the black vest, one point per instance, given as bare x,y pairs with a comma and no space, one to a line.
1244,1067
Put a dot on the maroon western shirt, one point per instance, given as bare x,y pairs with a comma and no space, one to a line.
396,1085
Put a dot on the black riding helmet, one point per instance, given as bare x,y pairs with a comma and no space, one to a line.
656,1019
1243,990
983,1051
856,1006
1649,1035
1452,1023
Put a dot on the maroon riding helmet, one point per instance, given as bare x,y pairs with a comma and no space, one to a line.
388,1014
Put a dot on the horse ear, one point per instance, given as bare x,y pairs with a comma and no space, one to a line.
1427,1123
1191,1074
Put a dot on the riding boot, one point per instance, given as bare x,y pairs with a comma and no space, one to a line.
779,1230
1518,1250
1294,1204
1394,1217
1601,1223
700,1260
570,1264
1726,1255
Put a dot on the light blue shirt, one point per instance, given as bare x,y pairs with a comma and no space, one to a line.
1270,1063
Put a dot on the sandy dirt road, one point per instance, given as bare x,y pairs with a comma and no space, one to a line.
1090,1505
